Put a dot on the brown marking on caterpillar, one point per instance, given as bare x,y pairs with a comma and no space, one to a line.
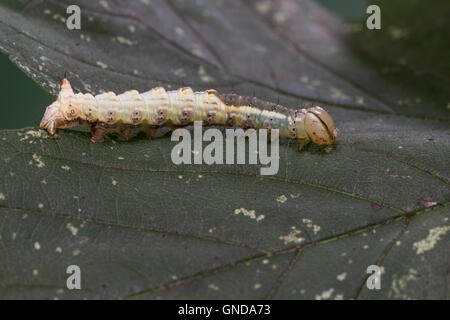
231,119
185,91
136,116
111,116
161,115
210,118
212,92
248,123
157,107
186,116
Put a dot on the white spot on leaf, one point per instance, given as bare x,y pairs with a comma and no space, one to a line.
249,213
434,235
104,4
72,229
102,65
203,76
126,41
309,224
325,295
292,237
39,163
342,276
213,287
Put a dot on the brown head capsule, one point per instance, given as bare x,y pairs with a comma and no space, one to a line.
319,126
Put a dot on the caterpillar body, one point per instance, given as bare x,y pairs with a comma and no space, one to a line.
157,107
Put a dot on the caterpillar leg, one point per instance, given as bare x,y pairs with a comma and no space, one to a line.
151,132
54,136
98,133
301,143
51,130
125,134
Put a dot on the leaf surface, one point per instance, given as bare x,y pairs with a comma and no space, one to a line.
141,227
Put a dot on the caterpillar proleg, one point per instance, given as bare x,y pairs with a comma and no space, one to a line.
157,107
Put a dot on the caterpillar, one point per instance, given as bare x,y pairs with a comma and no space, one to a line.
157,107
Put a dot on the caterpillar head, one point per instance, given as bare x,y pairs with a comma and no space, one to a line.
61,113
319,126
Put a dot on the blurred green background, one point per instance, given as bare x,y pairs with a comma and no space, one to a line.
18,91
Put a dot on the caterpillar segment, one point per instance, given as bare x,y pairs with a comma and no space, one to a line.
157,107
